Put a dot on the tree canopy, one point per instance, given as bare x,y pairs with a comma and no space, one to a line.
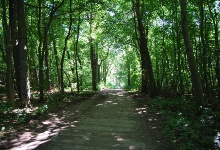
89,44
162,48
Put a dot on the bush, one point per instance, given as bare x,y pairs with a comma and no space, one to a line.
42,110
183,127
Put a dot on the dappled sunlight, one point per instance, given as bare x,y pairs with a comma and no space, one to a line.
120,93
132,147
122,140
86,138
99,104
141,111
119,138
217,140
110,123
36,132
153,127
150,119
29,146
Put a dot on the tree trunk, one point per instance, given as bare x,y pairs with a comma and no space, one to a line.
217,47
196,82
129,74
145,56
43,52
76,54
92,55
23,61
57,62
93,65
40,54
9,51
34,79
64,49
203,48
45,49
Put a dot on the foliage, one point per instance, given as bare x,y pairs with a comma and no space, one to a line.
42,110
112,28
182,126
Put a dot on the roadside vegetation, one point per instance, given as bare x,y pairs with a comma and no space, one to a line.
183,127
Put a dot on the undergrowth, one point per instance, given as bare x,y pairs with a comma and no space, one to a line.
183,127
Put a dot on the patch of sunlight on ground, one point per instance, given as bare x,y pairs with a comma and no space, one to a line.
141,110
132,147
32,138
118,137
217,139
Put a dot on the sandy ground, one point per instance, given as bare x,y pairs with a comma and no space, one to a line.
111,120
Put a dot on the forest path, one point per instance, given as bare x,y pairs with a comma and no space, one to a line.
112,119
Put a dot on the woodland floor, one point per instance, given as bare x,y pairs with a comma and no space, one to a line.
111,119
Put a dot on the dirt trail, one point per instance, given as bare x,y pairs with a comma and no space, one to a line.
110,120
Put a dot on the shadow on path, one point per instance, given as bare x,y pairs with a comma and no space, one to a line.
109,120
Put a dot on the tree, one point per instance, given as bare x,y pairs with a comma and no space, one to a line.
9,45
196,82
65,47
148,81
23,61
93,53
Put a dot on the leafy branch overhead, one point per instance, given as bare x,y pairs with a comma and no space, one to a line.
159,48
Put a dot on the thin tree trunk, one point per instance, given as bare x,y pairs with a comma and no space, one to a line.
45,42
46,57
34,79
196,82
179,53
64,49
93,65
40,54
9,51
203,47
57,62
217,47
129,74
43,52
76,54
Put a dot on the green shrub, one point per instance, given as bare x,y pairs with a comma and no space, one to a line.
183,127
42,110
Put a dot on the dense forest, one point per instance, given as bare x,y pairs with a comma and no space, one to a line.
168,50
